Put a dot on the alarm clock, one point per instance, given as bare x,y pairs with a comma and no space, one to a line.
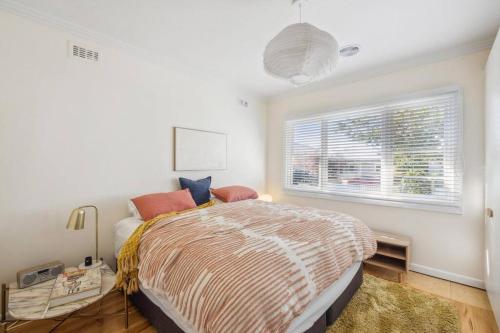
38,274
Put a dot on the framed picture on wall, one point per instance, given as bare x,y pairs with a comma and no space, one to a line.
199,150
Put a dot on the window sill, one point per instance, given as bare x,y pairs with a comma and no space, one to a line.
370,201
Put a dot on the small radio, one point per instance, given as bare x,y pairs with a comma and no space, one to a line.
38,274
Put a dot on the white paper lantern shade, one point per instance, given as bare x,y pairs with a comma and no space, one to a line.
301,53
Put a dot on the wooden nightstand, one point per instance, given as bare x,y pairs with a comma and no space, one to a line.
393,253
21,306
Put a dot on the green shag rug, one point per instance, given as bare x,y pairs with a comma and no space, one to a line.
382,306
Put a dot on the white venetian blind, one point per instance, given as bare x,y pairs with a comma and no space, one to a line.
405,151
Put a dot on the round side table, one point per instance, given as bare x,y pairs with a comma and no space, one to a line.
29,304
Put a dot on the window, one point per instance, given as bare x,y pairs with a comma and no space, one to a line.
405,153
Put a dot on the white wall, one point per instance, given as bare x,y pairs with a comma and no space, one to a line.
444,242
74,133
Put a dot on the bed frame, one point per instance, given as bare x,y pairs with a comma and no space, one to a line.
166,325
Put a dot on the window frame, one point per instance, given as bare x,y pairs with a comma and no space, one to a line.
403,203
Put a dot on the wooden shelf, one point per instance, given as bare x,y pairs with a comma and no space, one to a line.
393,253
392,239
387,263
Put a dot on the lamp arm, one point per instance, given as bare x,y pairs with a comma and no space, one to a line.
96,229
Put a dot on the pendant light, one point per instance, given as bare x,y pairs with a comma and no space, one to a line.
301,53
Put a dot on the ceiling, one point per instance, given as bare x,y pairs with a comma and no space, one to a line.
226,38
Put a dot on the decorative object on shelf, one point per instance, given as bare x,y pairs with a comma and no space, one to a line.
76,221
393,254
301,53
38,274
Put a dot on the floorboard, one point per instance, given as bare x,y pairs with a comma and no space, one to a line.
474,308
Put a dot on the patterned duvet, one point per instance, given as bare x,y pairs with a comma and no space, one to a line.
249,266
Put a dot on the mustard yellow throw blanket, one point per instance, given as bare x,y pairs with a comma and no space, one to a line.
128,259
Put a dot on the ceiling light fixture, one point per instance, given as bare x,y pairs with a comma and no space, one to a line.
301,53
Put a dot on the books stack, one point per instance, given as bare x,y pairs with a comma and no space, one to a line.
75,285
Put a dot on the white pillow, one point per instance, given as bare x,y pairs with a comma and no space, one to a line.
133,210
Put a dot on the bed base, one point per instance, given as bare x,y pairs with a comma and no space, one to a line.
164,324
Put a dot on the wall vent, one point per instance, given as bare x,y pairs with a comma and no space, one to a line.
83,52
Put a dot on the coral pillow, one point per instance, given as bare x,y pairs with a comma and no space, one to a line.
234,193
152,205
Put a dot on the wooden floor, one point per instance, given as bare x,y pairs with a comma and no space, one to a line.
473,305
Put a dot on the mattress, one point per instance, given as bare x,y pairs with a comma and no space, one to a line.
125,227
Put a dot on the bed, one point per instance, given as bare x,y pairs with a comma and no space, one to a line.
253,218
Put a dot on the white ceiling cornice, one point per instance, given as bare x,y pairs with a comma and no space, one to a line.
390,68
22,10
237,65
19,9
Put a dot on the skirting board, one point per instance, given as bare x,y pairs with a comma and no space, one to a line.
462,279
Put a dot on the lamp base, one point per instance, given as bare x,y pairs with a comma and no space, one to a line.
95,264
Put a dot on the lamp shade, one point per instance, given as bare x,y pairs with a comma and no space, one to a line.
266,197
76,220
301,53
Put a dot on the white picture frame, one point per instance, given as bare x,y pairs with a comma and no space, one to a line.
199,150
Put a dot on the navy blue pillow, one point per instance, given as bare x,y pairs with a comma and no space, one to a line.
200,189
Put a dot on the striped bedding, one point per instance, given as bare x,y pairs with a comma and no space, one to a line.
249,266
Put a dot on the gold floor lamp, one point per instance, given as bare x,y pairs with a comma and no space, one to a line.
76,221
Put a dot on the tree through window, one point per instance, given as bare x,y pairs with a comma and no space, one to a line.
402,151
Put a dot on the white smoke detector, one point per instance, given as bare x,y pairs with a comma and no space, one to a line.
349,50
